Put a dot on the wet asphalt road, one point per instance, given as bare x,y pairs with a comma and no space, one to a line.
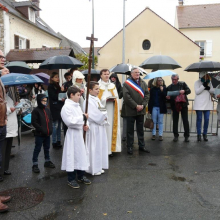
176,181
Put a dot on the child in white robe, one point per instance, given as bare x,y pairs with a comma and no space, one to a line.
96,137
75,154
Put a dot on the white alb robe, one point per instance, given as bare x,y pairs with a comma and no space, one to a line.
96,137
113,131
75,153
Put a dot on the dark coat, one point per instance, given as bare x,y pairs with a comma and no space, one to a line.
132,98
41,119
55,104
162,100
182,86
118,85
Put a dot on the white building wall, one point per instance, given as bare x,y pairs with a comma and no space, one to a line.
6,33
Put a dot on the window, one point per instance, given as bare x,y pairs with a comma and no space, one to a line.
202,47
31,14
146,45
22,43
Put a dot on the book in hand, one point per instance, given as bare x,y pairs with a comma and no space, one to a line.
173,93
61,96
111,97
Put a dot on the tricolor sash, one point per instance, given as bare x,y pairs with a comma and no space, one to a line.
135,86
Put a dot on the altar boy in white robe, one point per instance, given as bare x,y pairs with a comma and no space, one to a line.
108,96
75,154
96,137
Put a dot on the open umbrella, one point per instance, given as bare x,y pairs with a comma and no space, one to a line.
203,66
160,62
44,77
93,71
159,73
18,67
125,68
60,62
13,79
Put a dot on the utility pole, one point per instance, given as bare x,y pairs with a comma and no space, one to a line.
123,40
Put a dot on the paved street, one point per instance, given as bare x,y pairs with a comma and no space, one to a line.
176,181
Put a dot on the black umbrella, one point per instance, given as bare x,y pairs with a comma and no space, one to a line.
93,71
60,62
160,62
203,66
18,67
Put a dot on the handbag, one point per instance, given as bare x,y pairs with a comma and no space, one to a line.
149,122
180,100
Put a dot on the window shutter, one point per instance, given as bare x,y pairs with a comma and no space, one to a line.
209,48
27,44
16,39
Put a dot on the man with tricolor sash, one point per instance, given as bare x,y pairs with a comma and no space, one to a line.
136,97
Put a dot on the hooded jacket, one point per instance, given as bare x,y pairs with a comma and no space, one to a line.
41,118
118,85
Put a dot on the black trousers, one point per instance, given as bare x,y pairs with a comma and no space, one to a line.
140,130
184,114
2,139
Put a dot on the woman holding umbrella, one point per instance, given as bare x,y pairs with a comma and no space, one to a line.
203,103
55,107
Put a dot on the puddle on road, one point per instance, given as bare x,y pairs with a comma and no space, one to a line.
152,164
178,178
53,176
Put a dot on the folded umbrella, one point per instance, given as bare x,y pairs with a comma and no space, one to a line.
18,67
203,66
159,73
13,79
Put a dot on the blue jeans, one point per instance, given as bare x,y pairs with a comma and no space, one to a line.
72,175
56,135
199,121
39,141
157,119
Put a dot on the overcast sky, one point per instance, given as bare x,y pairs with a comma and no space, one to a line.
73,18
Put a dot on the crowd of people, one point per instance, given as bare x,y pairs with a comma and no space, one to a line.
90,138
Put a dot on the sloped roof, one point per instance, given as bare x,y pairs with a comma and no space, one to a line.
26,3
65,42
157,16
198,16
11,9
37,55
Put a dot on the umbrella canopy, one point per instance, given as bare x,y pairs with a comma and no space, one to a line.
159,73
60,62
18,67
93,71
125,69
203,66
13,79
44,77
160,62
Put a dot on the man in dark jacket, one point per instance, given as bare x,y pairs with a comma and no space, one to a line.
183,89
136,97
42,122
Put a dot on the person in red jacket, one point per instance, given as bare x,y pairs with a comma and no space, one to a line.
42,122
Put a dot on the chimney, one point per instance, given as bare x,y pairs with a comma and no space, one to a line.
37,3
181,2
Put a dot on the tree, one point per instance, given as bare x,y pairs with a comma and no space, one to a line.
85,60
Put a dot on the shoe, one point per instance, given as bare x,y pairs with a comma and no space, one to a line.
3,207
205,137
55,146
153,137
102,171
130,150
73,184
59,144
111,155
7,172
4,199
186,139
97,174
49,164
160,138
124,139
199,138
84,180
144,150
12,156
35,169
1,179
175,139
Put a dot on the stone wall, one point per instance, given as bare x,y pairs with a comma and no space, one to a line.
1,30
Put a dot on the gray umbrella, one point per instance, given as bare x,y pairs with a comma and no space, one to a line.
93,71
160,62
203,66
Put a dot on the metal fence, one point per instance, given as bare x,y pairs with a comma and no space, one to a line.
168,120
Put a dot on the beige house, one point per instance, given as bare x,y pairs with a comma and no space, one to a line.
147,35
201,23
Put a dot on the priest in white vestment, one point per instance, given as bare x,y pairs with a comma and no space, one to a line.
108,96
96,137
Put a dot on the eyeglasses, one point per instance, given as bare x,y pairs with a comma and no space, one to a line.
136,72
2,57
43,100
174,79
